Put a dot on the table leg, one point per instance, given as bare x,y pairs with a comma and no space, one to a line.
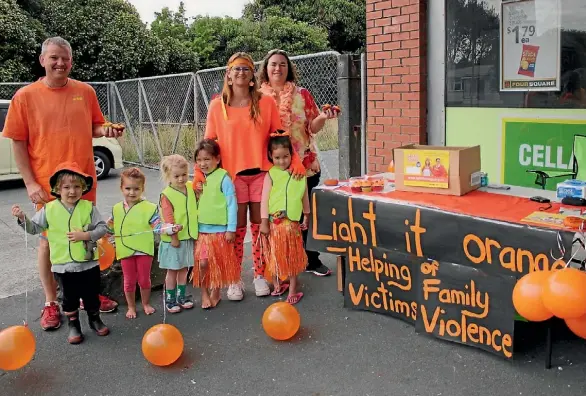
343,271
548,345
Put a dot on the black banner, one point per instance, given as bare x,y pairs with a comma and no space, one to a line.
463,304
495,247
382,281
388,246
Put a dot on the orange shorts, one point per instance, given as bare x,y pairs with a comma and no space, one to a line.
249,188
90,196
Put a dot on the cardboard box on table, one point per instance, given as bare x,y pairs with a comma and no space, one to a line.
463,170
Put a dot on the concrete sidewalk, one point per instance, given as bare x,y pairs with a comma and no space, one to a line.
337,352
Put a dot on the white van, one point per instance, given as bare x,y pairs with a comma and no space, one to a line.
107,152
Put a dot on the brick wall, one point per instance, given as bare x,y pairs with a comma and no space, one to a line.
396,77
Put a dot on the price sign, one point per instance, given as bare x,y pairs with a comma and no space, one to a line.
530,45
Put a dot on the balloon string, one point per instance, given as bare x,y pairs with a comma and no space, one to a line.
562,249
26,271
164,305
143,232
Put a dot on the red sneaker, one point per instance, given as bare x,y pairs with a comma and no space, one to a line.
107,305
50,317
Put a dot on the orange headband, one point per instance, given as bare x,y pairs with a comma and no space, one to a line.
280,132
241,60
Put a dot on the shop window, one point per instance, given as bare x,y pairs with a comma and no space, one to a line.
473,55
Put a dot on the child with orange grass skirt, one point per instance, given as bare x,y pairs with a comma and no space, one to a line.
216,265
284,199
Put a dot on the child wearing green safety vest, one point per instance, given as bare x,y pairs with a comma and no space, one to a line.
217,265
134,222
284,200
178,206
73,227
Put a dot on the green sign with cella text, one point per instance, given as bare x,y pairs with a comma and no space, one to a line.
537,144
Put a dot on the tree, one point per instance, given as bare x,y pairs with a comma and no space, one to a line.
209,37
216,39
344,20
109,40
172,29
19,44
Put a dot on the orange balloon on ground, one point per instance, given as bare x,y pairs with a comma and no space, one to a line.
17,347
162,344
107,253
564,293
527,296
578,326
281,321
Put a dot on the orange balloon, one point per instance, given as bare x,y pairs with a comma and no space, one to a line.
162,344
527,296
107,253
17,347
578,326
281,321
564,293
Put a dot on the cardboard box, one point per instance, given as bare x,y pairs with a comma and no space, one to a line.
571,188
437,169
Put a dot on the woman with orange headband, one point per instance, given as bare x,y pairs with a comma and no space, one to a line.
241,120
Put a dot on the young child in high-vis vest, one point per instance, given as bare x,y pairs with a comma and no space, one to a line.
134,222
178,206
215,257
284,201
73,227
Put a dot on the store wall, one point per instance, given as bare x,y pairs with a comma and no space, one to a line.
517,131
396,77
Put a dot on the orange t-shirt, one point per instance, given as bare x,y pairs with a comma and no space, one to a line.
58,125
243,143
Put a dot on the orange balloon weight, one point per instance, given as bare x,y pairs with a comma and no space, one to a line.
162,344
527,296
281,321
564,293
107,253
578,326
17,347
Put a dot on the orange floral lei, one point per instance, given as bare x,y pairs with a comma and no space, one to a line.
285,101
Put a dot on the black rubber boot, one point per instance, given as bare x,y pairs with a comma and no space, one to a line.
96,324
75,335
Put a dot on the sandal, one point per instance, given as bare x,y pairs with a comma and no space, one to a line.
295,298
280,290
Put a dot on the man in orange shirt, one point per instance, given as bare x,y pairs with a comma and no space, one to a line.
52,121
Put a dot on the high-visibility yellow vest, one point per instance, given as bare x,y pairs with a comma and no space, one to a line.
184,212
286,194
133,229
60,221
212,201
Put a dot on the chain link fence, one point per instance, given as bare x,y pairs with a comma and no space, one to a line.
167,114
7,91
159,115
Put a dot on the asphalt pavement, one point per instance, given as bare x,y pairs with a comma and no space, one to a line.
338,351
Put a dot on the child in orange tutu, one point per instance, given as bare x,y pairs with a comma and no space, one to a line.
215,257
284,200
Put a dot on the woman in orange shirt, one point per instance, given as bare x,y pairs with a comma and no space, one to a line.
241,120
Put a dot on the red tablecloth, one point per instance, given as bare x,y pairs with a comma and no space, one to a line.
476,203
